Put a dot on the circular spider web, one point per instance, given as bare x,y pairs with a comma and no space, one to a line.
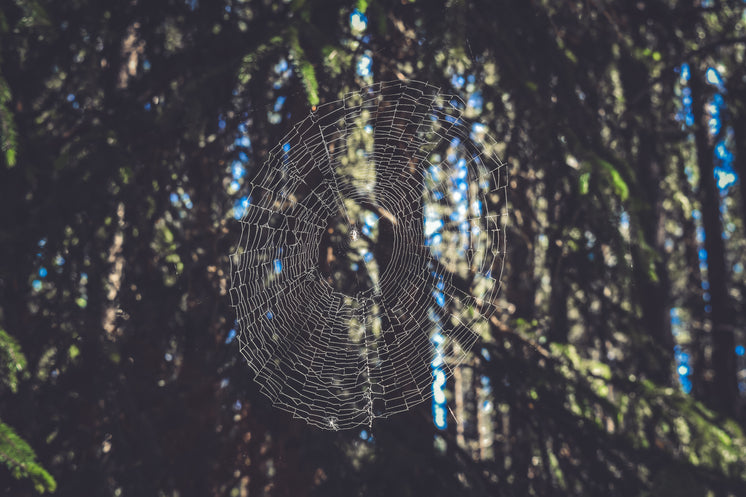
371,248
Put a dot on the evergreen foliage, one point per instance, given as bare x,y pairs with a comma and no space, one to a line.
15,453
129,131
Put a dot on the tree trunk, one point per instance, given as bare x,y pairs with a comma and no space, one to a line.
555,262
650,275
738,107
722,391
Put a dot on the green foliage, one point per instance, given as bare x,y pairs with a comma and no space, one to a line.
308,76
12,361
157,387
648,257
165,244
336,60
594,164
15,453
8,132
305,69
653,417
615,179
33,15
583,183
20,459
251,60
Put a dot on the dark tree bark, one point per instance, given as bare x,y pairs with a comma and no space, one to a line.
721,392
649,272
738,107
560,326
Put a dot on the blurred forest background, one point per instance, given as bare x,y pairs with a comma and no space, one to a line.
614,367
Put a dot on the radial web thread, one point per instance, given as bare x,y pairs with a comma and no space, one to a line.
374,230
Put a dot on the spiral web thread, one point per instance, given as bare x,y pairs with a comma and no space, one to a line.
371,251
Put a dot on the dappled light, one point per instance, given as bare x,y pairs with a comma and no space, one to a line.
481,248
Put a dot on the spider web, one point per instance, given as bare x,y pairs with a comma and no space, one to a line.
371,249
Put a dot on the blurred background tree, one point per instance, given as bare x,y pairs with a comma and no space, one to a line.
129,131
